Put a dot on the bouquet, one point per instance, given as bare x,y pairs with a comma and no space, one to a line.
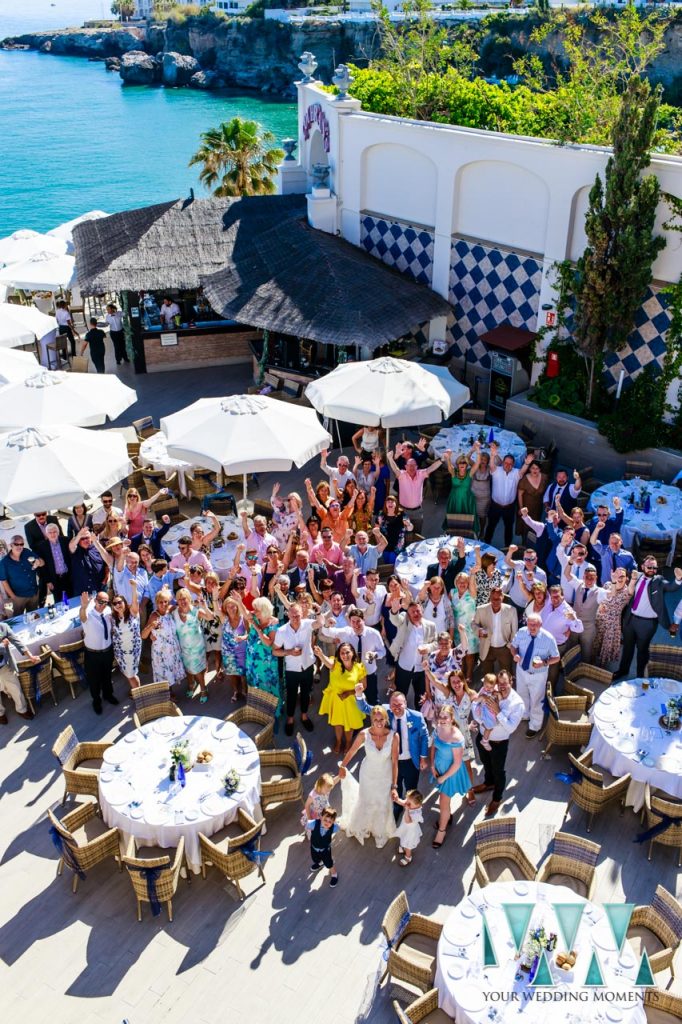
180,754
231,782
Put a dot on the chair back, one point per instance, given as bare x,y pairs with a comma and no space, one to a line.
65,746
664,660
259,700
669,910
499,830
79,364
576,849
166,882
587,773
395,918
63,832
151,700
636,468
460,525
144,427
36,678
552,704
473,415
571,659
133,449
664,1002
65,665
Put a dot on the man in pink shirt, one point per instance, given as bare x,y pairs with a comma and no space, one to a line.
411,486
188,556
258,539
328,553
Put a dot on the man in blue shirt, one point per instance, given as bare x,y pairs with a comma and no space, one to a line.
18,574
367,555
612,555
611,523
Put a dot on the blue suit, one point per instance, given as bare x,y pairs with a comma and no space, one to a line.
418,740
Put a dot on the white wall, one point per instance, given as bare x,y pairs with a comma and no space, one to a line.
501,202
389,172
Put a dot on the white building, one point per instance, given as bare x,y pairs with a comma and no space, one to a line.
479,216
145,8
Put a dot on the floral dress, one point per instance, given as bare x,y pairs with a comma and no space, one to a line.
608,638
211,627
283,525
127,645
166,657
485,583
464,609
262,669
462,713
191,639
233,650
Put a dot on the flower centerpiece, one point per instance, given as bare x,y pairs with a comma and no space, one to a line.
231,782
180,754
671,718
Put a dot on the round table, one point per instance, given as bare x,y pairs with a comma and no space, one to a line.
65,628
222,555
137,797
413,562
474,994
154,453
663,520
460,440
626,737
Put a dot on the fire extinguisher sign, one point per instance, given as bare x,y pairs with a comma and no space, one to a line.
550,319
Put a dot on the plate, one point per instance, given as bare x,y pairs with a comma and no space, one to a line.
669,764
456,971
471,999
117,793
106,776
130,738
165,726
648,762
114,755
468,912
626,691
521,888
605,714
191,814
626,746
608,732
223,730
213,805
460,933
669,686
603,938
605,698
158,814
626,959
136,812
613,1014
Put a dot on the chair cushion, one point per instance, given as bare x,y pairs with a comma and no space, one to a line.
573,715
92,829
437,1017
656,1016
90,762
419,949
231,831
152,852
276,773
640,938
503,869
251,728
570,882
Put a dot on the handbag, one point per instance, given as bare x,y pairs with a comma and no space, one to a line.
428,710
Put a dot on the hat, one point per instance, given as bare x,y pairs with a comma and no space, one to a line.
113,543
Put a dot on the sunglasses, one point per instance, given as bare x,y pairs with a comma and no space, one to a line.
98,600
117,601
196,570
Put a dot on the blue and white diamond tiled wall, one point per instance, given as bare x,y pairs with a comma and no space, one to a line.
404,246
490,286
646,344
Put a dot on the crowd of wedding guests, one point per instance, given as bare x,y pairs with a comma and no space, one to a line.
313,612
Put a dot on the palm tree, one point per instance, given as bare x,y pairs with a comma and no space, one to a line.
238,158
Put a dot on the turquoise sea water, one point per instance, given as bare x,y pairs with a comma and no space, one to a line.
75,140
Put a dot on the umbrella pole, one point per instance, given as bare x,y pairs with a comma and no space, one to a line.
388,440
338,433
244,489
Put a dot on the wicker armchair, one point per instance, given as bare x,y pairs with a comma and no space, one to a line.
664,660
412,941
153,701
64,666
281,779
166,882
596,789
200,483
498,856
658,929
662,1007
133,449
154,480
87,840
635,469
144,427
422,1011
36,681
224,850
567,724
460,526
571,863
473,415
655,809
80,763
257,717
576,672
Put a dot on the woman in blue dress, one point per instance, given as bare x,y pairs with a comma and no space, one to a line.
262,667
448,771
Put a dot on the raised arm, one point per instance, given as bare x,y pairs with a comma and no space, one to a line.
313,499
215,529
319,653
433,467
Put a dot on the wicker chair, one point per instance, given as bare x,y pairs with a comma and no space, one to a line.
153,701
412,941
154,480
134,478
65,668
144,427
166,882
133,449
224,850
644,547
498,856
473,415
576,671
200,483
88,839
655,809
36,681
662,1007
664,660
596,788
590,483
567,724
635,469
281,779
571,863
460,526
257,717
658,929
424,1010
80,763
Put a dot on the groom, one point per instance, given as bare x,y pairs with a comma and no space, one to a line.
413,742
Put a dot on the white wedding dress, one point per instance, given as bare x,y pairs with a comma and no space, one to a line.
367,808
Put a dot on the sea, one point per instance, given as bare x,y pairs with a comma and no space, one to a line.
75,139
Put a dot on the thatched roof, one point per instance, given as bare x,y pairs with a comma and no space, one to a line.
260,263
169,245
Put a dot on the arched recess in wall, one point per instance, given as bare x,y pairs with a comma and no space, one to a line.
400,183
501,202
577,239
668,264
316,151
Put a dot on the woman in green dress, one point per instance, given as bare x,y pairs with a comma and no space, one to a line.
262,666
462,500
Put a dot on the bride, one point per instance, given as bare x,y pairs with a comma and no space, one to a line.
367,806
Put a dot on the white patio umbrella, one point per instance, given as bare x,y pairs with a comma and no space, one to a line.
21,325
244,434
65,231
25,243
49,467
52,396
43,271
17,365
386,392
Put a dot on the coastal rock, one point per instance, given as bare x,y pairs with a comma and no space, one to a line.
178,69
112,63
138,68
206,80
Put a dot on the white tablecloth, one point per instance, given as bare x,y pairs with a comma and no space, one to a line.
154,453
222,557
474,994
460,439
137,797
44,354
413,562
65,628
664,520
628,738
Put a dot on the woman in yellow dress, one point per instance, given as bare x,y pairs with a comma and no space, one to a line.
338,700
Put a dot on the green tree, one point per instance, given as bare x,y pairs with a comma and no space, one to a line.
238,159
125,9
612,275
